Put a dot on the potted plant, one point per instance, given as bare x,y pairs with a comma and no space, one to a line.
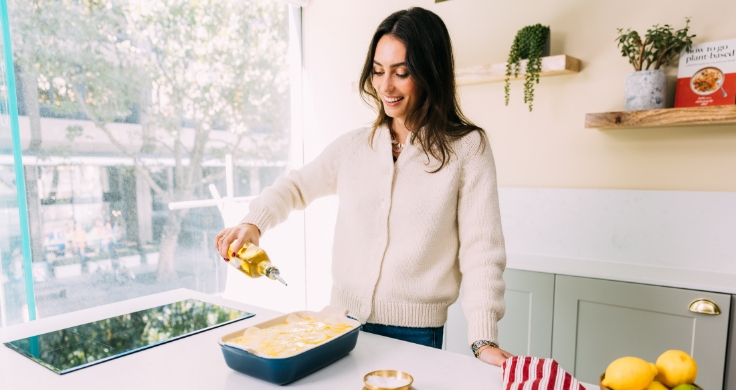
646,87
129,257
530,43
67,267
100,261
151,254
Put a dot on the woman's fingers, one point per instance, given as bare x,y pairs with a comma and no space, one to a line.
217,239
494,356
236,237
239,240
220,236
245,234
225,242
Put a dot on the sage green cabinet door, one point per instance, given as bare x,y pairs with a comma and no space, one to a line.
597,321
731,359
525,329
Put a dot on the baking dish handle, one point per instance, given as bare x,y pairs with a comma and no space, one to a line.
337,311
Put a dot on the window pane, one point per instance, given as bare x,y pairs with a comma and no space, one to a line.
13,306
125,107
12,286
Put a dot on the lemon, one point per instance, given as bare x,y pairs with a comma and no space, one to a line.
676,368
685,386
656,385
629,373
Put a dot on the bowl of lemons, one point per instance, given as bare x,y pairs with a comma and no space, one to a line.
673,370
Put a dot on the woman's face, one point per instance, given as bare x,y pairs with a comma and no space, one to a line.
391,78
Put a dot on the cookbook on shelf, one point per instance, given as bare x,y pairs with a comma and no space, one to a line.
707,75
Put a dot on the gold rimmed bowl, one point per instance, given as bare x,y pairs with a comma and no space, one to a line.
385,376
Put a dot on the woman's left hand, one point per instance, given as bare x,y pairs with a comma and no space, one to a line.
494,356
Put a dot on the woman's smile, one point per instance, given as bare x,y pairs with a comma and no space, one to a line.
392,101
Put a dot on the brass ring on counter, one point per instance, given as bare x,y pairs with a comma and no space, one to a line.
388,374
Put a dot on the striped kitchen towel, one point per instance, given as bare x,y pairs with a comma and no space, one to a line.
531,373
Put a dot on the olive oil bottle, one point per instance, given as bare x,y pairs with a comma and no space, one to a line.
254,262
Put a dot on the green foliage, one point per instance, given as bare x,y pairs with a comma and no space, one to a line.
66,261
210,64
661,45
73,131
528,45
149,248
62,43
130,251
196,75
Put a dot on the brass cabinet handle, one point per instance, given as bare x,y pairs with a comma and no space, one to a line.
704,306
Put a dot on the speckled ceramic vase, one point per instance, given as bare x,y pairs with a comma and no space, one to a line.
645,90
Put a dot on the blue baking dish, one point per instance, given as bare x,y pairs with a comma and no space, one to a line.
285,370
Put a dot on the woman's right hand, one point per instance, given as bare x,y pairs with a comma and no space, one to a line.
238,236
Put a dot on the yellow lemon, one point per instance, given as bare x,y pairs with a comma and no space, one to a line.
676,368
656,385
629,373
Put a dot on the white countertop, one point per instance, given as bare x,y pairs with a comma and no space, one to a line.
626,272
196,362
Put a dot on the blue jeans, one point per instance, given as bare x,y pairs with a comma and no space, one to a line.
430,337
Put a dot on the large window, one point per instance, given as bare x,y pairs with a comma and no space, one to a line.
125,107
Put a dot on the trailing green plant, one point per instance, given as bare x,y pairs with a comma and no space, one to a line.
123,252
661,45
65,261
149,248
528,45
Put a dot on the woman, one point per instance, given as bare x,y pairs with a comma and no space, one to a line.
410,228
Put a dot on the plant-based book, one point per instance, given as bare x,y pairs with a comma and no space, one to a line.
707,75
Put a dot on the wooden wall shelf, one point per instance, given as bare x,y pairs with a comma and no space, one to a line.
551,66
709,115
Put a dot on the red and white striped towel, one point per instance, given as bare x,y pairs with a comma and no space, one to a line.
531,373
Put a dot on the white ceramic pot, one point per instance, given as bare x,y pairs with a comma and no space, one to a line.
67,271
645,90
102,265
152,258
130,261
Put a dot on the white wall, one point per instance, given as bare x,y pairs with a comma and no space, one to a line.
676,229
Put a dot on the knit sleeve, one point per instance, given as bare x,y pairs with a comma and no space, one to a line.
482,254
297,189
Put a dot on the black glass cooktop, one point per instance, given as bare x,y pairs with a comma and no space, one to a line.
71,349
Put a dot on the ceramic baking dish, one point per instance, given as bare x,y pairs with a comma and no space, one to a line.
285,370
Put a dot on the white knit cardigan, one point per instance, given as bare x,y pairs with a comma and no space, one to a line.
404,237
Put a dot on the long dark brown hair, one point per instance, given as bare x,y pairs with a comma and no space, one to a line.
437,119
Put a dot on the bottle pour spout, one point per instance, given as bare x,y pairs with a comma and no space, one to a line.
280,280
273,273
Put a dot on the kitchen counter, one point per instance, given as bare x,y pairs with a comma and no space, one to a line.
625,272
196,362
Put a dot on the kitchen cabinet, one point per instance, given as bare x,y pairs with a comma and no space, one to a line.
597,321
526,328
731,357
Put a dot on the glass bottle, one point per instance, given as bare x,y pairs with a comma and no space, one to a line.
254,262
